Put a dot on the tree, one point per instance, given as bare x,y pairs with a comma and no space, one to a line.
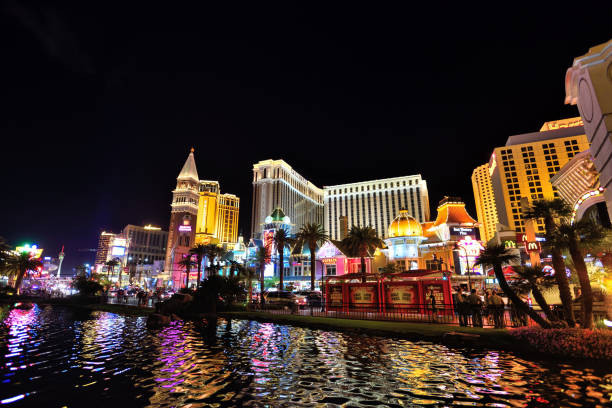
81,270
86,287
497,256
388,269
110,266
549,210
360,241
233,267
262,258
214,253
572,237
312,234
200,252
187,263
282,241
248,274
17,265
533,275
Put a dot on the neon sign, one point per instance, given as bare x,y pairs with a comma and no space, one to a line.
185,228
469,251
34,250
533,246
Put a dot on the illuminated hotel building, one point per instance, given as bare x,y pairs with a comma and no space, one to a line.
524,166
217,215
104,245
145,245
486,209
276,184
183,218
374,203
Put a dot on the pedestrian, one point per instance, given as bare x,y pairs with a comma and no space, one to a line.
462,308
475,303
432,302
497,309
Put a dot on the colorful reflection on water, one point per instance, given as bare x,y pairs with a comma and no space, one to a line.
56,357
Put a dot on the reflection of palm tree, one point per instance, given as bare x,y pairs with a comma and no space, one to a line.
361,241
282,241
496,256
572,237
312,234
18,265
187,263
549,210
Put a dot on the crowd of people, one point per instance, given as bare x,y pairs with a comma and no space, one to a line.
473,308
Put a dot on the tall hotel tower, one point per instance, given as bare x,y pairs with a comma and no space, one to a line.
183,218
374,203
485,202
276,184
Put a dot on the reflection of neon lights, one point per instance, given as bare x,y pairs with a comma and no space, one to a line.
585,196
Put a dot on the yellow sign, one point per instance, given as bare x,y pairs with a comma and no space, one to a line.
562,123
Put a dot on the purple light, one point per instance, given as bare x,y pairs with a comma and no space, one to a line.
13,399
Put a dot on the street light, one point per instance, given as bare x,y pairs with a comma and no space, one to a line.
467,263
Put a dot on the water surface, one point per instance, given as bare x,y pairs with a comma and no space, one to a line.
57,357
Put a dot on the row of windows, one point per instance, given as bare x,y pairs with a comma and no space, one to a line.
356,189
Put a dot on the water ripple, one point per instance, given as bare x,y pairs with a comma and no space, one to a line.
56,357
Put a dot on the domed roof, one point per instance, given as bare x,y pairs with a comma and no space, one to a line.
405,226
278,214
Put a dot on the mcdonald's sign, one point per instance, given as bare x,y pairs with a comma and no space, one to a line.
533,246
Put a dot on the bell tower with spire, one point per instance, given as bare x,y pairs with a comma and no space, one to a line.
181,233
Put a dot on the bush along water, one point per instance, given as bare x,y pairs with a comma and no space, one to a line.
579,343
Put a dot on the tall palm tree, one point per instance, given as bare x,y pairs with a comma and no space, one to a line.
533,275
361,241
187,263
282,241
496,256
18,265
312,234
549,211
200,252
110,266
262,257
247,274
572,237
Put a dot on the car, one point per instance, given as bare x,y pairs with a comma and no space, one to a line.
312,298
281,298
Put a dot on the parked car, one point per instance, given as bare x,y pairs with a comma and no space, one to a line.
281,298
312,298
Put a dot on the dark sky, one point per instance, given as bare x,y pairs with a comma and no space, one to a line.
100,104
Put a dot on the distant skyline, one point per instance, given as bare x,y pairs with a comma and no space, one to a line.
100,105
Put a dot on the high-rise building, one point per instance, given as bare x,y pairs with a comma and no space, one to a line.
374,203
104,245
524,166
183,219
145,245
486,210
277,185
217,215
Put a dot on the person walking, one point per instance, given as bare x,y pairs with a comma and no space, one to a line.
475,303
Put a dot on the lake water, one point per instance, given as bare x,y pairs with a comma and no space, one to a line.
58,357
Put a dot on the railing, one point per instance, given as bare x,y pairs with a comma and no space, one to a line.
424,313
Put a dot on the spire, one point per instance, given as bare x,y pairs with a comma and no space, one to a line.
189,170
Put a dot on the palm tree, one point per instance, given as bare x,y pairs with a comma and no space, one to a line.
234,266
572,237
187,263
214,253
496,256
533,275
312,234
549,210
247,274
110,266
282,241
262,257
81,269
361,241
18,265
200,252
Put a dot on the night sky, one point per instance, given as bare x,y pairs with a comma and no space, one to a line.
100,104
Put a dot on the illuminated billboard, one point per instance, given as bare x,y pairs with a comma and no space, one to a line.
33,250
118,251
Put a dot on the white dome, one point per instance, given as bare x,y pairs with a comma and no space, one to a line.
268,220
